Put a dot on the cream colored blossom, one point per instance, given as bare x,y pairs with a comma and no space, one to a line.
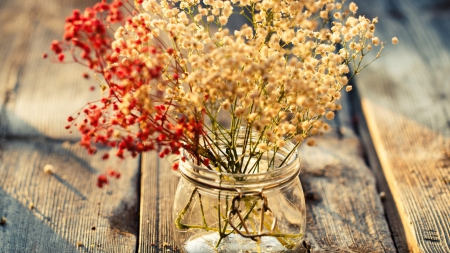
394,40
263,147
375,41
329,115
353,7
311,142
280,75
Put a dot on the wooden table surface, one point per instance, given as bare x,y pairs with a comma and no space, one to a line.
379,182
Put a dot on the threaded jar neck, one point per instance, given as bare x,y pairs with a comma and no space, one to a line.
265,180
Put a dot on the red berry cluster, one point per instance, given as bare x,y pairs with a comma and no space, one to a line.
88,33
102,179
124,119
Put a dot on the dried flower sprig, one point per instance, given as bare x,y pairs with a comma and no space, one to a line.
175,77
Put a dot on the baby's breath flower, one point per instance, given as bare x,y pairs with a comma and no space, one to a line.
263,147
347,37
394,40
311,142
299,138
281,143
329,115
337,15
353,7
343,69
240,111
375,41
48,169
223,20
171,70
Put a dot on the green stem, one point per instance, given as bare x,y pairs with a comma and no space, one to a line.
290,153
221,234
201,208
180,216
222,228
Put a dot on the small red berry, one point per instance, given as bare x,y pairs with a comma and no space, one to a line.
44,56
55,47
61,57
102,180
206,162
111,172
170,51
166,151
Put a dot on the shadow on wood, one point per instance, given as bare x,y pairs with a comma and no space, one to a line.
68,200
28,230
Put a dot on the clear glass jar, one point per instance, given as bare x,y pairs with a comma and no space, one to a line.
222,212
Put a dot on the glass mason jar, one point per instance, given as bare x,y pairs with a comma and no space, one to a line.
224,212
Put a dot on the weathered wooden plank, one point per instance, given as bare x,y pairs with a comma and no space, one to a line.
344,211
158,186
391,211
58,212
37,95
404,98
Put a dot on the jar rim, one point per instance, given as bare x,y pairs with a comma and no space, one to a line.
292,159
274,178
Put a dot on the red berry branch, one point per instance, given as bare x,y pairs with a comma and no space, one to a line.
129,117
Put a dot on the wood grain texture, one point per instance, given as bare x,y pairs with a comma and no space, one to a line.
405,99
37,95
52,213
344,211
391,211
158,187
